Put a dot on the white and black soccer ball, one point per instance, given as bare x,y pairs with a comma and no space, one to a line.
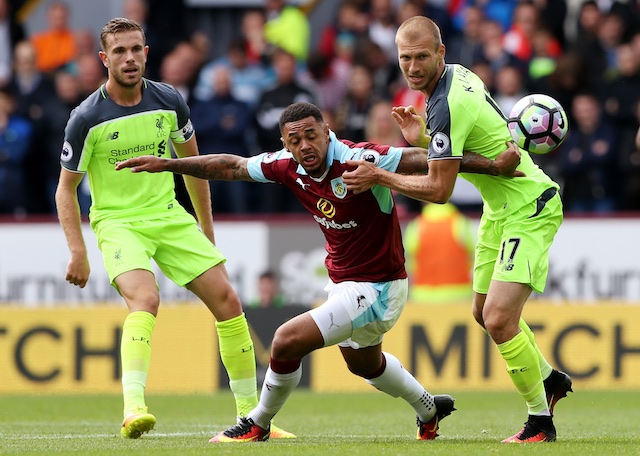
538,123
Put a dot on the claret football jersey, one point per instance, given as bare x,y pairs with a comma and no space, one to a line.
362,232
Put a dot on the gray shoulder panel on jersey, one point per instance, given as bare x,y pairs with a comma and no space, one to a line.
97,108
439,117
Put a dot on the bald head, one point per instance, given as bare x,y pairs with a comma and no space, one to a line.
418,28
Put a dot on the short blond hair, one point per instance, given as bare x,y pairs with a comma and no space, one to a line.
416,27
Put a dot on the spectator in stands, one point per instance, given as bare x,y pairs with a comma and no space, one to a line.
465,48
588,158
439,245
329,79
164,25
385,75
32,91
274,100
411,8
287,28
569,77
621,100
287,90
86,42
55,46
252,27
488,75
351,113
223,123
545,50
611,34
586,44
11,33
349,27
517,41
91,73
554,16
492,50
248,79
68,94
15,139
380,128
382,28
269,295
630,172
180,70
509,88
622,90
500,11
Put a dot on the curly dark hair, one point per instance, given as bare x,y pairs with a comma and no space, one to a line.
298,111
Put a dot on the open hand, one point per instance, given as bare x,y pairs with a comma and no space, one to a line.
147,163
413,126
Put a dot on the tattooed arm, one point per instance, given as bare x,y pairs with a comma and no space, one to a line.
225,167
415,161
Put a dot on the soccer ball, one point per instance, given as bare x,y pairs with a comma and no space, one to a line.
538,123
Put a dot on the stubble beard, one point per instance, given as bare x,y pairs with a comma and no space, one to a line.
128,83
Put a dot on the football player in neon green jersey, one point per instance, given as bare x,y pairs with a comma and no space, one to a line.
137,217
520,216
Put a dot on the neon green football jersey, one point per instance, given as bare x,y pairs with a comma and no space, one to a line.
461,115
101,133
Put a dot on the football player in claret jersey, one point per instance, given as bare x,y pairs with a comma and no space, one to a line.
368,282
519,220
136,218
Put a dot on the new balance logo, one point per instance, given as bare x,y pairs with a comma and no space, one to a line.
112,135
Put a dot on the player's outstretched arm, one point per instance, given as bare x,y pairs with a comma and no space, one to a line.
435,187
213,167
414,161
505,163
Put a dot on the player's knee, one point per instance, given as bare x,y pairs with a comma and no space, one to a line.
288,344
282,344
477,315
499,328
148,302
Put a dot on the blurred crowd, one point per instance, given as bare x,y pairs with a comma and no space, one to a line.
586,54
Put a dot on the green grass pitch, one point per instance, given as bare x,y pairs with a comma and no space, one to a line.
367,424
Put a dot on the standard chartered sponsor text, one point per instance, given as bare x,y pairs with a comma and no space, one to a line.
118,155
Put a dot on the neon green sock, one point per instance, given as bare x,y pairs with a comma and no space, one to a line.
545,367
135,351
524,368
239,358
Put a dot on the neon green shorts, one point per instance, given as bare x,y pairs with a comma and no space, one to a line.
179,248
516,249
